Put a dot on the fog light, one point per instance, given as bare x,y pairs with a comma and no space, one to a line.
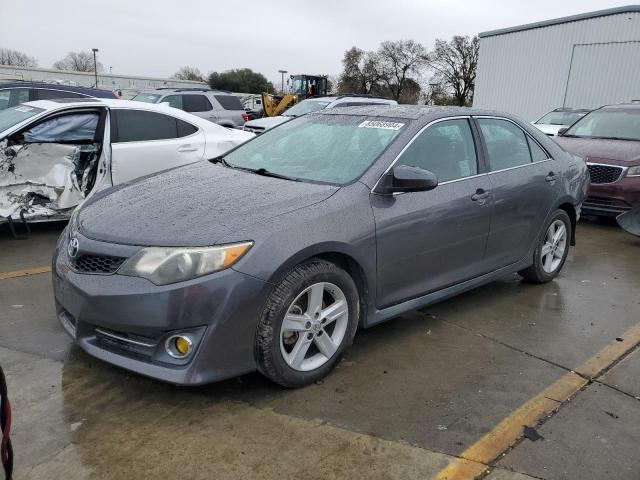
178,346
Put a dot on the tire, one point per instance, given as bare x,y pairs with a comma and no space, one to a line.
294,298
543,270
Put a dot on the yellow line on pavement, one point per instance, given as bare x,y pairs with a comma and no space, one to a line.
475,460
24,273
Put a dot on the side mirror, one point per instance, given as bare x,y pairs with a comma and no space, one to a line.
562,131
404,178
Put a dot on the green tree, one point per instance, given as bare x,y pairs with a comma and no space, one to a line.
242,80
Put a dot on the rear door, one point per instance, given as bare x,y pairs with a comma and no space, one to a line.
144,142
525,186
427,241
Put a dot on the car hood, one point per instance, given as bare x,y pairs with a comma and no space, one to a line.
267,122
617,152
194,205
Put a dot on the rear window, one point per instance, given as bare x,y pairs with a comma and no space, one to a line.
229,102
146,98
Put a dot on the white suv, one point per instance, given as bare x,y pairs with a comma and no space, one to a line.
260,125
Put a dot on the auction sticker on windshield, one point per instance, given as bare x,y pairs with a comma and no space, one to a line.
381,124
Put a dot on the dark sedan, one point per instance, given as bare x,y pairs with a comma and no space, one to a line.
609,139
272,256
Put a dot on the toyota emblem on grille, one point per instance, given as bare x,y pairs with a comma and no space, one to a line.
73,247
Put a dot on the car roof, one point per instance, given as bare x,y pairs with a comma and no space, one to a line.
94,92
622,106
410,112
165,91
63,103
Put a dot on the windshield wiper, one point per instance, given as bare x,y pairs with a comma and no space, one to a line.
220,160
266,173
612,138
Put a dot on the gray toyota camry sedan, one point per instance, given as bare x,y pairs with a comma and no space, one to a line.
272,256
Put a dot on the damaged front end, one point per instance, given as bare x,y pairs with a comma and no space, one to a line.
44,180
630,221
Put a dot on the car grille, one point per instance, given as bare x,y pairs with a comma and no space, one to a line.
97,264
604,173
606,206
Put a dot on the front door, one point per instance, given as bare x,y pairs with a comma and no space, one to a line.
430,240
525,185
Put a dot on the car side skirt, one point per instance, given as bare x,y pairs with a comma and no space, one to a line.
379,316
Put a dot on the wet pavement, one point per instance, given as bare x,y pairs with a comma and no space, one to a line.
410,396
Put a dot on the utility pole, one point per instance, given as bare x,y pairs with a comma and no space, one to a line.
282,72
95,66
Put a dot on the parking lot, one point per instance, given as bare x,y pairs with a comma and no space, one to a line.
439,393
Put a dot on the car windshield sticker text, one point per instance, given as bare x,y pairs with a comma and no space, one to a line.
381,124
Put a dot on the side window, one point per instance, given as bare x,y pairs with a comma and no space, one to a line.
174,101
51,94
140,126
196,103
537,153
229,102
446,149
506,143
75,128
185,128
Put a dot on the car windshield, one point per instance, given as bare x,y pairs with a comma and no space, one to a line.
561,118
615,124
305,107
14,115
334,149
146,97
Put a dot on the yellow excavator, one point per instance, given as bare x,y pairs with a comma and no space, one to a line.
302,86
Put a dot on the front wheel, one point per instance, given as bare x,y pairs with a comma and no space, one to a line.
309,321
552,250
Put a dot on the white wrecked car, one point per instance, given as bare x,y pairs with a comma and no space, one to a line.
56,153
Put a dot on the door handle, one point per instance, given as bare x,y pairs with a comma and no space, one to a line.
481,195
187,148
552,177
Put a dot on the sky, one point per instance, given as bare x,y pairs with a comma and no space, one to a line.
157,37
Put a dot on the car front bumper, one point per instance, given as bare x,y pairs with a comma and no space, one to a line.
614,198
126,320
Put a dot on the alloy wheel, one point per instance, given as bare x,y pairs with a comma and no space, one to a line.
555,244
314,326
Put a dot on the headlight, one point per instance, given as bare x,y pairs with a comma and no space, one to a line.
633,171
162,265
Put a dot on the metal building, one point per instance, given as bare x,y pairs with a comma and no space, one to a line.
126,85
581,61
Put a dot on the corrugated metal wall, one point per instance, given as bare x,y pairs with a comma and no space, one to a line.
527,72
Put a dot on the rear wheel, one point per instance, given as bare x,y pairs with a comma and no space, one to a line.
552,250
309,321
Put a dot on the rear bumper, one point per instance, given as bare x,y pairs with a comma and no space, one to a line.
125,321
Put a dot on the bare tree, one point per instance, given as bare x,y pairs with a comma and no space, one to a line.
16,58
189,73
361,72
399,61
78,62
455,64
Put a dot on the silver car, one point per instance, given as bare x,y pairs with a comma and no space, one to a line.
216,106
310,105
